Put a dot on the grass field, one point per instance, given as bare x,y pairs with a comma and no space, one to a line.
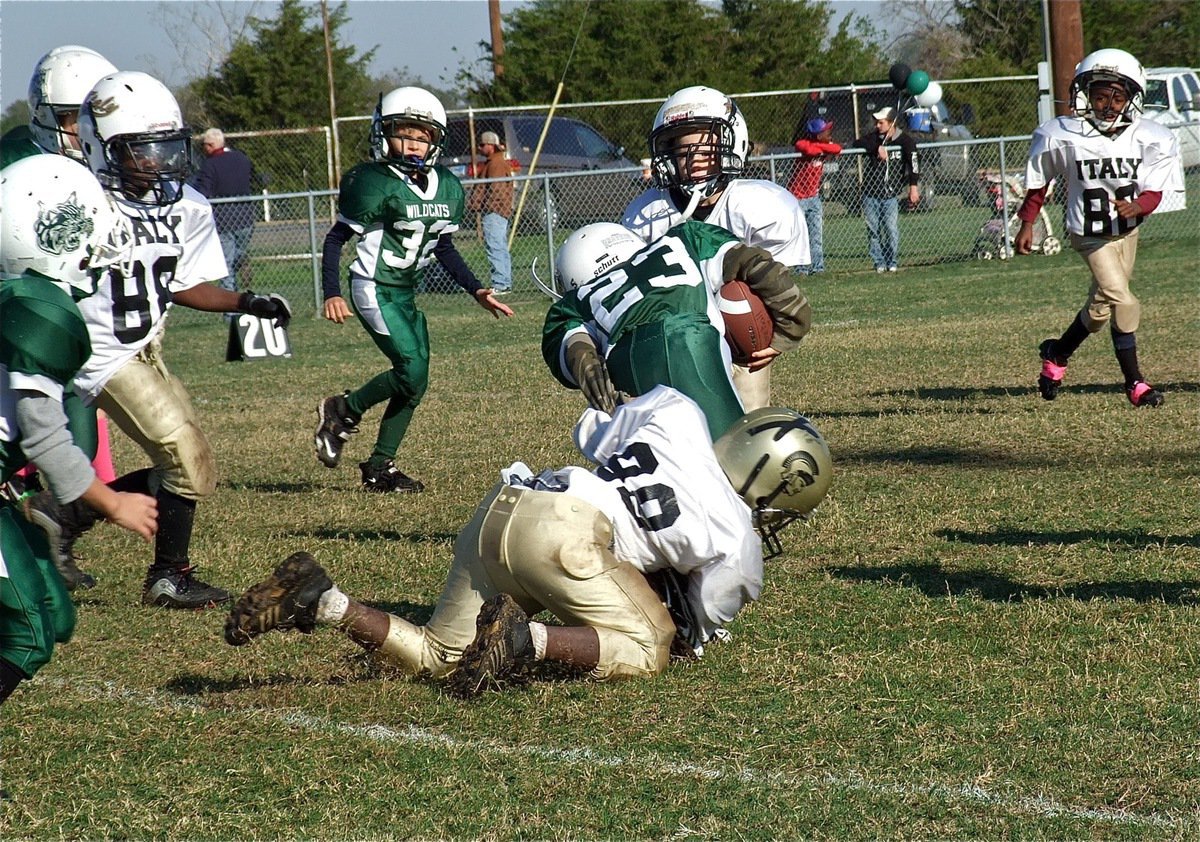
990,629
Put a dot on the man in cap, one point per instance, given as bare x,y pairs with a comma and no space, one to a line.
814,141
890,163
493,198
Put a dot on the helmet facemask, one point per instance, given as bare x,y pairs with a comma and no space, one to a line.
148,168
1084,91
48,124
694,156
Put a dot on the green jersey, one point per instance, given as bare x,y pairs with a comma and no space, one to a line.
398,223
17,143
678,274
43,342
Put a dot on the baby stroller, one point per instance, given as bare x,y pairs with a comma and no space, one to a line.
992,242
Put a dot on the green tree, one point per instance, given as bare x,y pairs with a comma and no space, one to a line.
276,78
633,49
17,114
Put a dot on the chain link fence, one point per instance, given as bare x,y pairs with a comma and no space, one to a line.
973,154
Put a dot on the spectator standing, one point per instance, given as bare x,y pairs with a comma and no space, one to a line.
890,163
227,172
493,197
815,144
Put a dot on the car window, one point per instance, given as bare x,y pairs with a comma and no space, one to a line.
594,146
1156,94
561,139
458,135
1178,92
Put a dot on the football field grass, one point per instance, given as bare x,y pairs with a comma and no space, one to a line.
990,629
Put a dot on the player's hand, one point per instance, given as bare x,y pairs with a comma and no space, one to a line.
492,304
336,309
136,512
266,307
761,359
1127,209
1023,242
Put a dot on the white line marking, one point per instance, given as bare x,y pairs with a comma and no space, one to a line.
1037,805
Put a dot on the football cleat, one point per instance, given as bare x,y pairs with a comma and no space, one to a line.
63,524
502,644
180,589
335,426
1051,377
388,478
287,599
1143,394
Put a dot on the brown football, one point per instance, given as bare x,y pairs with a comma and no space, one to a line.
748,325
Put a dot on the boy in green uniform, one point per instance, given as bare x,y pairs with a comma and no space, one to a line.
55,228
652,315
403,208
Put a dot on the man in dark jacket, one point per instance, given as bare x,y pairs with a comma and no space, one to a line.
227,172
890,163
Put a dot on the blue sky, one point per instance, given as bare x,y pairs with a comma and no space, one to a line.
130,35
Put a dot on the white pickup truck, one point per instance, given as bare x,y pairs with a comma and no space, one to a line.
1173,98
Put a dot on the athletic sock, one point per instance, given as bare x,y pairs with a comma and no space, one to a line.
331,608
10,677
175,518
1125,346
1069,342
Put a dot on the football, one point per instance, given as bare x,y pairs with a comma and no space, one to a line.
748,325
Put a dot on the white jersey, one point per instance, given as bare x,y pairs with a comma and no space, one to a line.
175,248
758,212
1099,168
669,501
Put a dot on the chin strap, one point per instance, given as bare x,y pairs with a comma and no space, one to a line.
693,203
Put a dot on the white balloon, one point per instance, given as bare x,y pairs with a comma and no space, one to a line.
930,96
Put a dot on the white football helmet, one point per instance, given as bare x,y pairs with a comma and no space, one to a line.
134,139
1108,66
725,141
59,84
591,251
56,220
779,463
407,107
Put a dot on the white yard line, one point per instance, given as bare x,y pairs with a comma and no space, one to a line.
652,764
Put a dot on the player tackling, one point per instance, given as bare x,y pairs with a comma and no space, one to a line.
1117,167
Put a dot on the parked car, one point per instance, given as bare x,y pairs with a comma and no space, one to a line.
946,170
1173,99
570,146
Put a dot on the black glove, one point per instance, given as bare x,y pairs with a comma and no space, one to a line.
266,307
589,372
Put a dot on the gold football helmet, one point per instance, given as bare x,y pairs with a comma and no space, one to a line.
779,463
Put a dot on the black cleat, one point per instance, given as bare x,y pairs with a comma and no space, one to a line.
502,644
1051,377
1142,393
335,426
388,478
287,599
180,589
63,524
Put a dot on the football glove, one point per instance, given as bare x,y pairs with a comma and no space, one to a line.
589,372
266,307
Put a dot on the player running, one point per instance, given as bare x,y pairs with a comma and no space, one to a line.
403,208
1117,167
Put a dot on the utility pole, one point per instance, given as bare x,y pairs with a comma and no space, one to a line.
337,158
497,38
1066,49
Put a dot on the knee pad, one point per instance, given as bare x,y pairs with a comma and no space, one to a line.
184,464
414,651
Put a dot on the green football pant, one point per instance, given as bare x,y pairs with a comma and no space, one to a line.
682,351
35,609
398,329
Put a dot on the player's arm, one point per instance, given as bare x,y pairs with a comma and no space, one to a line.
453,262
214,299
335,309
773,283
68,471
1031,206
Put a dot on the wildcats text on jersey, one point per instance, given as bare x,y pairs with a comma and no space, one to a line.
1096,168
440,210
